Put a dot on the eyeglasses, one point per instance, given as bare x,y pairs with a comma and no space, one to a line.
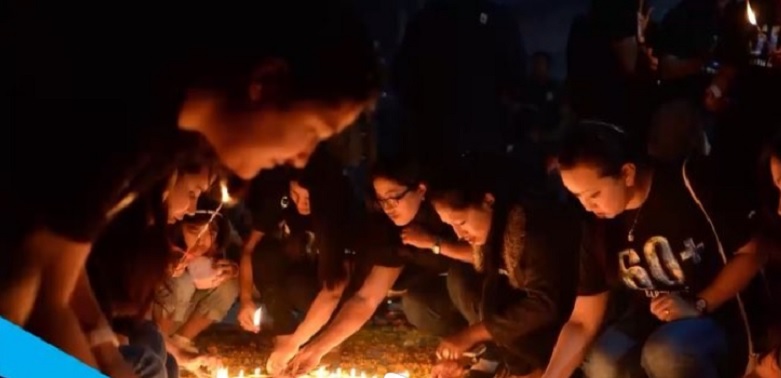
393,201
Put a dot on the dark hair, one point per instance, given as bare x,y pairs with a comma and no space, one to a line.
299,50
462,183
402,169
603,144
220,225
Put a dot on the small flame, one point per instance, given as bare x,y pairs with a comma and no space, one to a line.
257,317
752,17
257,372
222,373
352,373
225,196
241,373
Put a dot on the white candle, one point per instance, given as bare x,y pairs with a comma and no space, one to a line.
257,317
257,369
241,373
352,373
222,373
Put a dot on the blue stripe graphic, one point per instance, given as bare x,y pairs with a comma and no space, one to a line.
24,355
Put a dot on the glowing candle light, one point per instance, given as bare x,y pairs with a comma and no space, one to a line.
752,17
352,373
257,369
222,373
241,373
339,372
257,317
363,375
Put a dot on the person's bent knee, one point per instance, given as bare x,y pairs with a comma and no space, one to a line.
671,355
600,363
417,311
217,304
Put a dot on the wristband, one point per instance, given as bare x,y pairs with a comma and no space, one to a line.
102,335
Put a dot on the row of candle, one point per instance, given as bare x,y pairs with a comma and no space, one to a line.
320,373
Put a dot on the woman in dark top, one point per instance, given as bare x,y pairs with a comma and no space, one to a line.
105,124
526,253
414,240
129,262
676,243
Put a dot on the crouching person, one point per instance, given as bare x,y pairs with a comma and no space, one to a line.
525,257
204,286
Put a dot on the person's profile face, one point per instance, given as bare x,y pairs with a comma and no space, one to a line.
268,136
605,196
399,202
196,246
300,197
472,224
775,173
183,195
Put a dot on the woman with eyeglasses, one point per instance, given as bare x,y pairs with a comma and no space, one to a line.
407,248
675,244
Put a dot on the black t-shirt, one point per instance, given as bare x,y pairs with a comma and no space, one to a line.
672,247
273,211
386,249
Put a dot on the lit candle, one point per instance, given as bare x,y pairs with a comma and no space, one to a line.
752,18
339,372
257,369
352,373
241,373
257,317
222,373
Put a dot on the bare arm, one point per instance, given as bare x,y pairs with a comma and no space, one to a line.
246,281
91,318
734,277
577,335
357,310
319,313
457,251
53,264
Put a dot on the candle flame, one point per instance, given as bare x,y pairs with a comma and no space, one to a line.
257,371
256,318
752,17
222,373
352,373
225,195
241,373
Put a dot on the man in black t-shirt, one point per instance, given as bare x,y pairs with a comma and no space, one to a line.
283,263
102,125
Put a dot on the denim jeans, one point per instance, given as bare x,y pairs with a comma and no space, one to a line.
682,348
146,353
181,298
